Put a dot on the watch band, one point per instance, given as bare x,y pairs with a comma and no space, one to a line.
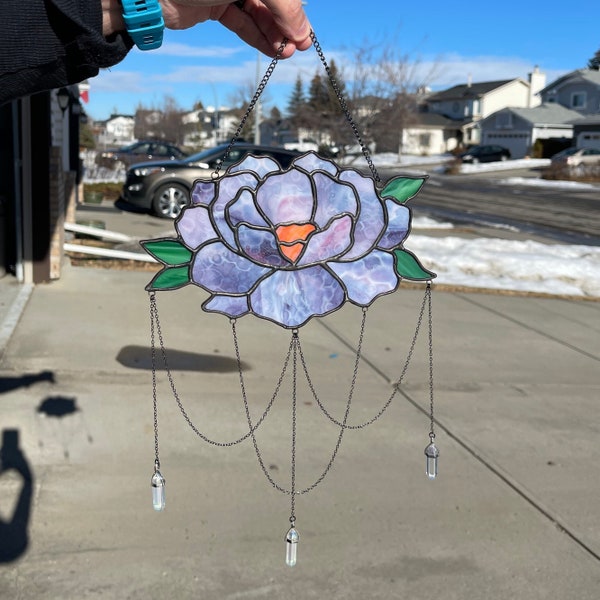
144,22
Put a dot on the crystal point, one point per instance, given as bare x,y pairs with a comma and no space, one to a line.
158,490
291,547
432,454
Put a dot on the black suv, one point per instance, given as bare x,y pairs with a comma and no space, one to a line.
164,187
481,154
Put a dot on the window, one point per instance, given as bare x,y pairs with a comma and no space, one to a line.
504,120
578,100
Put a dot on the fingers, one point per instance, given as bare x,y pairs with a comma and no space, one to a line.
265,24
289,18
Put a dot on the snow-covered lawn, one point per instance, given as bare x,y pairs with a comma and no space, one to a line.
525,266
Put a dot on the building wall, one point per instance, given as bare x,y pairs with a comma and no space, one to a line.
423,141
515,93
569,93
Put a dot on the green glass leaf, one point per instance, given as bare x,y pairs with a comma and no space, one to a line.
170,278
170,252
402,189
408,266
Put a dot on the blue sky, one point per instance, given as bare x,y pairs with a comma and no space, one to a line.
486,41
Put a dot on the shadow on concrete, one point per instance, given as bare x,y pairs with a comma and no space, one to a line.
58,406
8,384
16,480
140,357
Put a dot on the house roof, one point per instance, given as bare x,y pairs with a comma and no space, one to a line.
458,92
549,113
429,119
590,75
589,120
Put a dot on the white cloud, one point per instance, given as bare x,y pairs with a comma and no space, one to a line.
119,82
454,69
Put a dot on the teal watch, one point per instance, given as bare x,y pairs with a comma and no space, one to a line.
144,22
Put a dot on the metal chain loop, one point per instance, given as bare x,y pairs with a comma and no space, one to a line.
345,109
343,426
396,384
155,319
251,105
340,98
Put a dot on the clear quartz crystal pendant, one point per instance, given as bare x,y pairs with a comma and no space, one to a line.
158,489
431,454
291,547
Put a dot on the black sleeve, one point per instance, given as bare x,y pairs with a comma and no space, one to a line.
45,44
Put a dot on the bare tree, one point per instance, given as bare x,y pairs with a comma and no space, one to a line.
160,122
385,92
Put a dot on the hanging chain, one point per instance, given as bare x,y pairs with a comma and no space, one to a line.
345,109
398,381
154,398
342,425
431,417
155,319
251,105
338,93
296,342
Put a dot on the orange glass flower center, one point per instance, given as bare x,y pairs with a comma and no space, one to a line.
292,239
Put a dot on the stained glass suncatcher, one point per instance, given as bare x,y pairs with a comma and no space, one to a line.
290,245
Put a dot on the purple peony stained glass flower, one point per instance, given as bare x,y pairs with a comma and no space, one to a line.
290,245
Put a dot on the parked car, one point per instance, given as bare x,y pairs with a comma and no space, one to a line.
576,157
140,151
484,153
164,187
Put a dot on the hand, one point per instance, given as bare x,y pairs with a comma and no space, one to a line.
262,24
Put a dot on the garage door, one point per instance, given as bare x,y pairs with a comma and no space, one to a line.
516,141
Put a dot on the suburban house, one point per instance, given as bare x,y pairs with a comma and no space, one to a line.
450,118
431,133
116,131
579,90
517,129
569,110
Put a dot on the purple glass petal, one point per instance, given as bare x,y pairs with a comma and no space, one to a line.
286,198
371,222
312,162
260,245
195,227
331,242
232,306
261,165
333,199
228,188
217,269
243,210
203,192
290,298
398,225
368,277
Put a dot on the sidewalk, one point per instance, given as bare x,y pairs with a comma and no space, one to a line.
513,514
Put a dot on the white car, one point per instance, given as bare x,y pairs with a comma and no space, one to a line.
576,157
